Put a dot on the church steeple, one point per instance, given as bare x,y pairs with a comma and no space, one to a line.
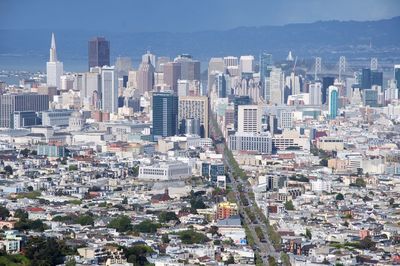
53,51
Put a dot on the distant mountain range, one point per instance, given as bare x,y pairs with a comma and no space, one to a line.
328,39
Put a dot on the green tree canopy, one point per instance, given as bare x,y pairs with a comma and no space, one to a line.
121,223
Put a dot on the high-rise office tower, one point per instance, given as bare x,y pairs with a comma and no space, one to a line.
397,75
249,119
370,97
90,93
377,78
11,103
190,69
333,104
109,90
392,92
149,57
265,66
194,108
326,82
315,93
215,66
274,86
286,119
165,114
54,67
231,61
366,78
238,101
294,83
161,60
221,86
122,66
99,52
172,72
145,76
246,64
183,88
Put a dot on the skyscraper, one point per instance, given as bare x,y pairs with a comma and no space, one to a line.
172,72
194,108
99,52
366,79
265,66
246,64
397,75
249,119
221,86
274,86
149,57
190,69
54,68
145,76
326,82
333,104
109,90
315,93
237,101
11,103
165,114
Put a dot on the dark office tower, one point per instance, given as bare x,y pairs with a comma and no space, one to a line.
165,114
265,66
239,100
13,103
326,82
99,52
377,78
397,75
366,79
172,72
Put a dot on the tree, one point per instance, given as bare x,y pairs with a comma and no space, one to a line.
4,213
289,205
72,167
25,152
192,237
8,169
137,254
125,200
324,162
165,217
391,201
135,171
121,223
339,196
21,214
30,188
308,233
360,182
146,226
44,251
231,260
165,238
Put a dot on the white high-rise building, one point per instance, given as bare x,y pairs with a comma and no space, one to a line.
231,61
109,90
286,119
293,82
183,87
392,92
249,119
54,68
274,86
246,64
315,93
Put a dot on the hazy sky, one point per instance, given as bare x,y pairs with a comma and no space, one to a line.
183,15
